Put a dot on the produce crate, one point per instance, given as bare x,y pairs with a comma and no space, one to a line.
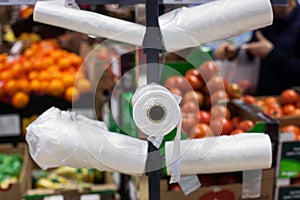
16,191
105,191
228,191
283,120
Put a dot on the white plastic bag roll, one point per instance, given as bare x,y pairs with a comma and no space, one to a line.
193,26
149,97
54,12
156,113
240,152
61,138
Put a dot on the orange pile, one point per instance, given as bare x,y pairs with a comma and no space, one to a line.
43,69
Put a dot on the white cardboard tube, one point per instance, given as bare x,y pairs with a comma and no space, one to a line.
240,152
60,138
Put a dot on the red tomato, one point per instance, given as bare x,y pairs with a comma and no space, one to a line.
194,72
236,131
194,96
288,109
248,99
200,130
221,126
270,101
234,90
173,82
188,121
195,82
190,107
245,125
219,96
273,111
289,96
176,91
235,121
216,83
204,117
177,82
208,69
220,111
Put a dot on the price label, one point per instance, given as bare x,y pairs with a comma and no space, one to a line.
90,197
10,125
186,1
25,2
54,197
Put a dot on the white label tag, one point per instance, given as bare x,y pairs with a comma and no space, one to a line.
10,125
55,197
186,1
90,197
189,184
25,2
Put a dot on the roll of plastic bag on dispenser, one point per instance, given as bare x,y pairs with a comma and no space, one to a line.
62,138
240,152
193,26
54,12
151,96
156,113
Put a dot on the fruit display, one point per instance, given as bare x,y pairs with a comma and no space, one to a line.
203,91
10,169
42,69
67,178
286,104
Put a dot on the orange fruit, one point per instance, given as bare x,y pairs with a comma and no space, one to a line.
6,75
24,85
35,86
75,59
64,63
72,94
33,75
68,79
44,75
56,87
17,69
20,100
44,87
83,85
11,86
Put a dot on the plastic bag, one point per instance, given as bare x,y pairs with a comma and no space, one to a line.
62,138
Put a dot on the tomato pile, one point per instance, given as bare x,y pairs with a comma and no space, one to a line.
287,104
43,69
203,91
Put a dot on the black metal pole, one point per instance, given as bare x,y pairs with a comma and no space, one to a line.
152,47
